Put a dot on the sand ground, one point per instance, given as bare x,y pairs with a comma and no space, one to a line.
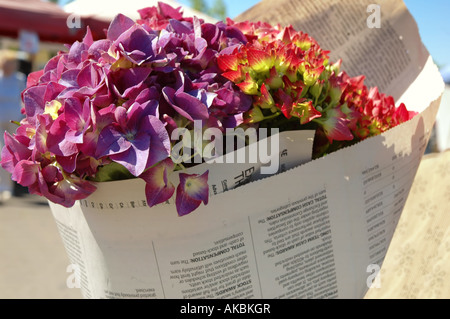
33,261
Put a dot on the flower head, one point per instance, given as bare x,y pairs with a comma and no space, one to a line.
191,192
106,108
158,188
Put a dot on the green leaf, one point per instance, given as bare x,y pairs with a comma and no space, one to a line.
112,172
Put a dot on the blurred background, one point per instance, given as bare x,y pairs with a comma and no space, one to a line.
33,31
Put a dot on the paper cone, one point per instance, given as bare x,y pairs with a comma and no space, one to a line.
319,230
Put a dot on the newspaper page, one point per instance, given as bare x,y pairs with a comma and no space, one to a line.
318,230
380,41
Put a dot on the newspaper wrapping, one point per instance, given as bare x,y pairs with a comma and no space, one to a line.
317,230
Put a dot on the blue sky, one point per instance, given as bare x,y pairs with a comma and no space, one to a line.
431,16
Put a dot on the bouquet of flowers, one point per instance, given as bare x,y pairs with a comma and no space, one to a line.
106,110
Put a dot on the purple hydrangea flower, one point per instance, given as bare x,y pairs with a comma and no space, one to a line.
115,100
137,139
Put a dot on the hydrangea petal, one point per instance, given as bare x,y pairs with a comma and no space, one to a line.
184,203
13,152
111,141
133,159
67,191
25,172
68,163
158,188
186,105
33,78
335,126
191,192
119,25
159,141
56,141
34,101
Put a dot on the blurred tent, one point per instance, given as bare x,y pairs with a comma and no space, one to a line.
107,10
47,19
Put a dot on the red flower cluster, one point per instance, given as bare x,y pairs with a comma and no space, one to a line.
294,86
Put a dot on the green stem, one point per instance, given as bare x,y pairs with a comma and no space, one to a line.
272,116
180,166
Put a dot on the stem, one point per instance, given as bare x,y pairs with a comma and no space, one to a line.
180,166
271,116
